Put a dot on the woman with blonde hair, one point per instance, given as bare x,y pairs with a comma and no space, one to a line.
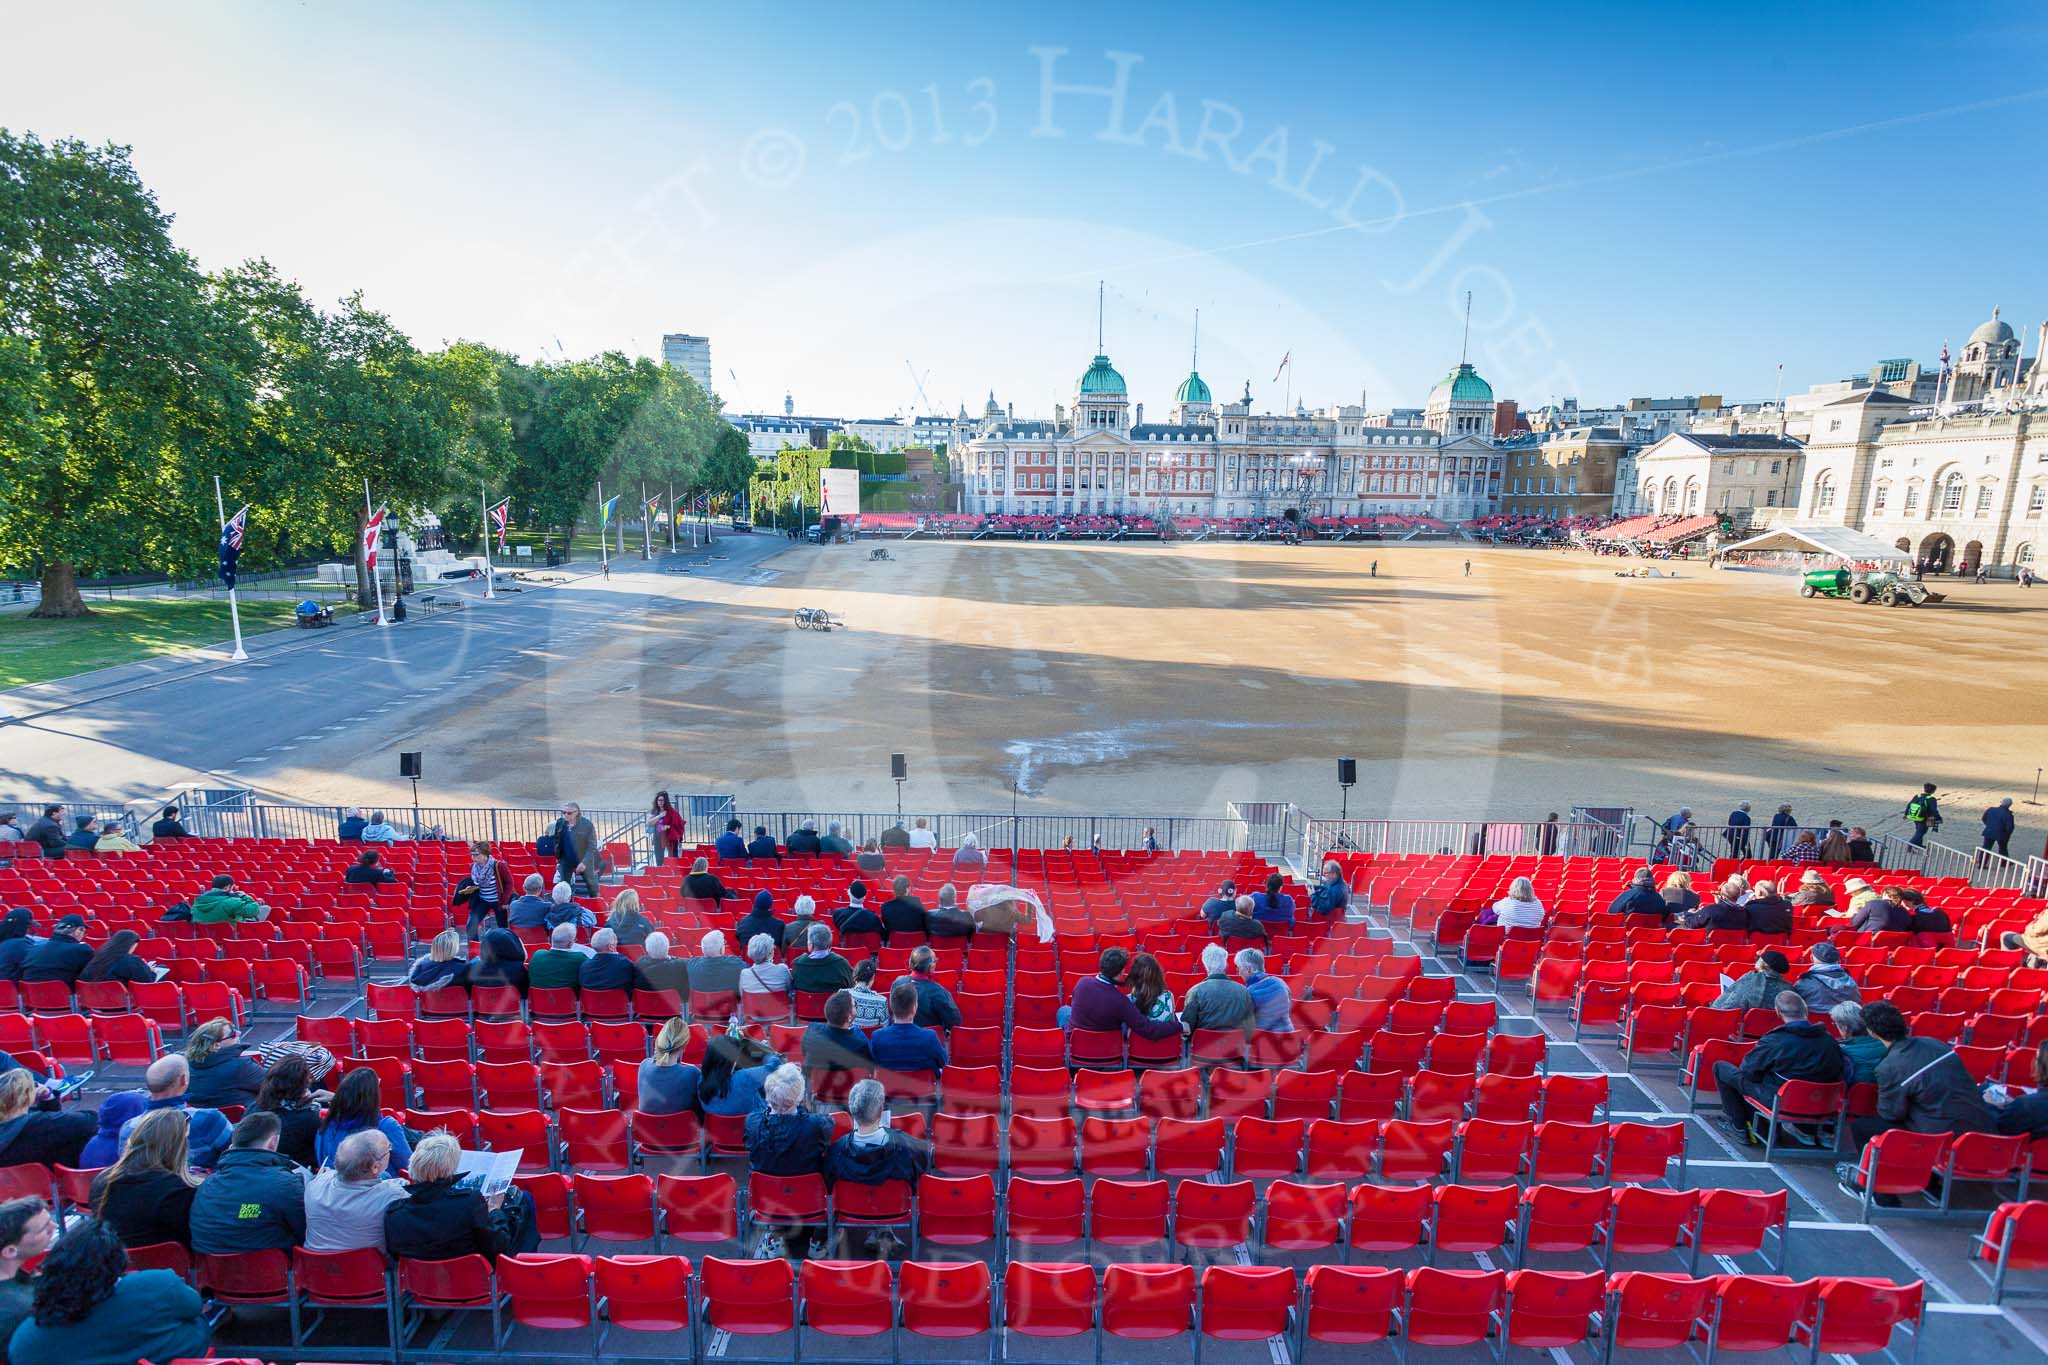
43,1136
668,1084
444,965
146,1195
1519,909
224,1071
627,920
1678,893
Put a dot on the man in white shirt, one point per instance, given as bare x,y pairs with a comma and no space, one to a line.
921,835
345,1204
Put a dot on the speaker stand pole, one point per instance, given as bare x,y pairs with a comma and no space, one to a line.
415,808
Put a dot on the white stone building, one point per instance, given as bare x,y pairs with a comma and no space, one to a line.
1224,460
1693,474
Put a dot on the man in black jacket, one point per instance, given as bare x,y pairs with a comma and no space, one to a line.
61,956
760,920
168,826
1727,910
1797,1050
806,839
255,1200
854,917
1641,898
606,969
902,913
442,1220
762,845
1768,912
48,832
896,836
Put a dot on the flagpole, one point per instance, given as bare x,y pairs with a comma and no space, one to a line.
490,578
603,559
234,611
369,562
671,517
646,525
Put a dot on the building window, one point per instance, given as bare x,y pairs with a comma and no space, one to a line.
1912,499
2036,497
1984,500
1877,499
1952,494
1824,493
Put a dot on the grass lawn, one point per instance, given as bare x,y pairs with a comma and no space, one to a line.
121,632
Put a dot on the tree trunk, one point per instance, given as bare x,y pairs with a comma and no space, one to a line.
61,599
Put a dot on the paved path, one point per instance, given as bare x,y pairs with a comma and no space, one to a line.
318,699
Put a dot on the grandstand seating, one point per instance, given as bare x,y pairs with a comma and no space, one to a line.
1399,1119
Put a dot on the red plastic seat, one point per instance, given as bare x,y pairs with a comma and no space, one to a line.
1558,1218
549,1292
1655,1312
644,1293
1046,1212
946,1301
1239,1094
667,1134
1303,1217
956,1211
1041,1146
1470,1218
2015,1237
616,1208
1341,1149
747,1298
1737,1223
1647,1221
1551,1310
1266,1148
1756,1312
1188,1148
965,1143
1147,1302
1452,1307
1124,1213
1573,1099
1491,1151
846,1299
1049,1299
1350,1305
1858,1316
1899,1161
1642,1153
699,1209
1168,1094
1565,1153
594,1139
1212,1217
1414,1151
1247,1303
1389,1217
1116,1147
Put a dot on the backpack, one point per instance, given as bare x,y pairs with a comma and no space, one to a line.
568,913
1916,809
181,913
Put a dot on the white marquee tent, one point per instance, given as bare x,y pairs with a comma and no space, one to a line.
1836,541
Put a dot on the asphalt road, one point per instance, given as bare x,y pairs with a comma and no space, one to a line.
321,718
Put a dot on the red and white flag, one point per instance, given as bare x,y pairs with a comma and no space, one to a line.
372,533
1284,362
501,518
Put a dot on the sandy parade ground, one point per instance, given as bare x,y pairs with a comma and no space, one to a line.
1148,678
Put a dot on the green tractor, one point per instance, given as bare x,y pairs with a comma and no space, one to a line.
1882,586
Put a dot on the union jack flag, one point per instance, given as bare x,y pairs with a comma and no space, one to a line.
501,520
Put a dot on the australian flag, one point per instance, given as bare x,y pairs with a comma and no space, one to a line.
231,544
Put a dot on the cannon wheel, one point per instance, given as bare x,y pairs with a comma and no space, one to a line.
804,617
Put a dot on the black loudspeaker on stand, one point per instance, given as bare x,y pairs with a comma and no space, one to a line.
899,769
409,766
1347,778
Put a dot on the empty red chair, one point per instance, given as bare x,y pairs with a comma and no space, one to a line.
1147,1302
1655,1312
1756,1312
68,1038
1737,1223
747,1298
1469,1218
1116,1147
1266,1148
1187,1148
1550,1310
129,1039
1167,1094
845,1299
1048,1299
1511,1054
1341,1150
1239,1094
965,1143
1490,1151
1046,1212
1564,1153
1370,1095
1247,1303
1126,1213
1452,1307
549,1292
667,1135
1350,1305
1212,1217
616,1208
698,1208
956,1211
1414,1151
1041,1146
1898,1162
1303,1217
643,1294
1304,1095
521,1130
1573,1099
509,1085
1858,1317
1434,1095
2015,1237
1561,1218
1980,1156
946,1301
787,1202
1389,1217
1642,1153
1647,1221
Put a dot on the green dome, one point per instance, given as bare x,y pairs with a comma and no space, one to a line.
1101,378
1192,390
1462,385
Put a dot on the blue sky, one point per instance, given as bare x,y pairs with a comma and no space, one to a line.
1641,199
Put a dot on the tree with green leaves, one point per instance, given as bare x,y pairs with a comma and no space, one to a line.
123,382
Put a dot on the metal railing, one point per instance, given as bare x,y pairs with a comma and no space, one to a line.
1004,829
1529,838
1979,867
